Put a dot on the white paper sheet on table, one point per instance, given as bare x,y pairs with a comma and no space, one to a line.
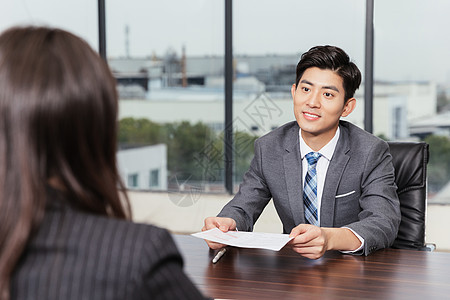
243,239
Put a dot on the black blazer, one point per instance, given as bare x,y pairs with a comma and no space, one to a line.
76,255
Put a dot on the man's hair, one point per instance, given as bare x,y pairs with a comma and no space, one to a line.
334,59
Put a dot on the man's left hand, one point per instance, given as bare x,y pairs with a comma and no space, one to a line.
309,241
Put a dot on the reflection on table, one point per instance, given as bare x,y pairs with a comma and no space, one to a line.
264,274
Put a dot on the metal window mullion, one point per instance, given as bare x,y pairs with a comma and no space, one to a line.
368,71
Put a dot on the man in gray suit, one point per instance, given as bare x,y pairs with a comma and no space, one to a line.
332,183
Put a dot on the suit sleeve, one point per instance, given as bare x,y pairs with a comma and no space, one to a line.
379,218
162,273
253,196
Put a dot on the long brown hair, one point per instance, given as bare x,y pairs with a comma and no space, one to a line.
58,120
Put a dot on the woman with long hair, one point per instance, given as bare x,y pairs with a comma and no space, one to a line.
64,228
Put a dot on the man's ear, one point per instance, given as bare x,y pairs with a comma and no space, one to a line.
293,89
348,107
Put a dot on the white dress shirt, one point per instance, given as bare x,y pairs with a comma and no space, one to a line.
321,171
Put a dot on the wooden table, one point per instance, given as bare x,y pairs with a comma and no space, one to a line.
264,274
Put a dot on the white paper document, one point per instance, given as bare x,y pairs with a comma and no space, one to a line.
243,239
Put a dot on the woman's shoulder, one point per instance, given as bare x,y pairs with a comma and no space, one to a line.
60,213
104,226
148,236
85,231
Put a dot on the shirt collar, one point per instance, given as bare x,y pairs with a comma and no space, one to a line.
326,151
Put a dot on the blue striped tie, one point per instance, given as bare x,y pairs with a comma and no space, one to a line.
310,189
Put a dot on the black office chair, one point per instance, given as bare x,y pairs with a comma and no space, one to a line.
410,162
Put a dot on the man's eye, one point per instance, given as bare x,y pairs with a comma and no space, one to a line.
305,89
328,95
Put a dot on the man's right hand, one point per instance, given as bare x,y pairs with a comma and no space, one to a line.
224,224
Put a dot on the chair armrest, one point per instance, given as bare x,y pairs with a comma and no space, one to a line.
428,247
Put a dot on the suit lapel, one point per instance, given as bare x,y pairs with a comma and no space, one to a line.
334,173
293,173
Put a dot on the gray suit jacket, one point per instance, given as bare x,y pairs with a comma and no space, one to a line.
359,190
77,255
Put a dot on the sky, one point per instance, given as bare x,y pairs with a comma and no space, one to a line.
411,38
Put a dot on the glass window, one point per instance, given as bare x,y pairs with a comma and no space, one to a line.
79,17
412,73
133,181
269,38
169,67
154,178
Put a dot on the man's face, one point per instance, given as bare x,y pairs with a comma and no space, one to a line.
319,103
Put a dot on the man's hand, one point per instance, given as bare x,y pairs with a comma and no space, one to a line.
224,224
309,241
312,242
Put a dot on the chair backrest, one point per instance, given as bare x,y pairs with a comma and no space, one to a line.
410,162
